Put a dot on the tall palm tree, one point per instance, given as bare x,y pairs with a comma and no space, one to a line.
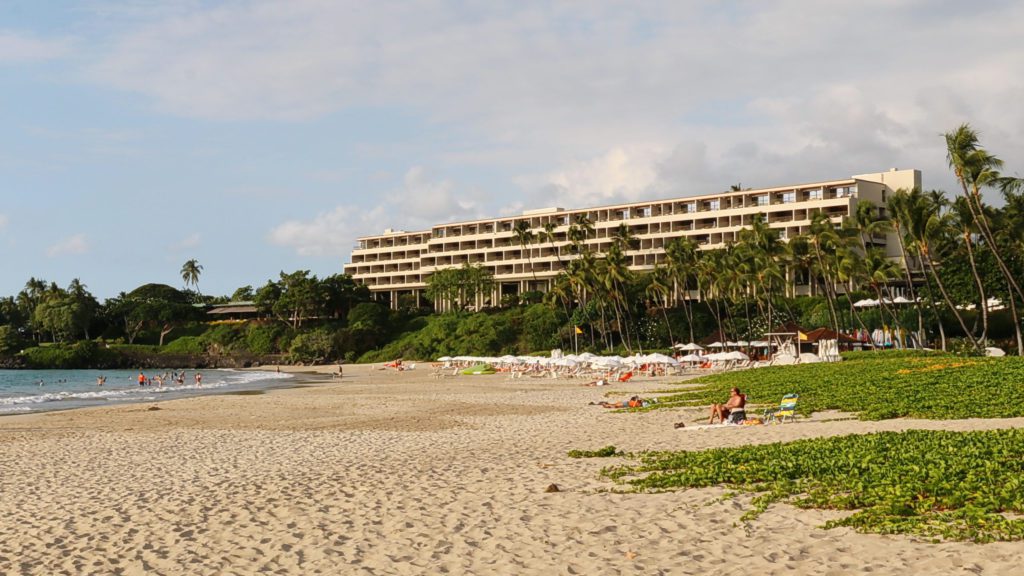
975,169
896,208
823,239
926,227
963,221
190,272
658,290
524,234
681,256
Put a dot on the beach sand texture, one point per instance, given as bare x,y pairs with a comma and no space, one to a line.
399,473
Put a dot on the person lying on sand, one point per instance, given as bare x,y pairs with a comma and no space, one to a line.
598,382
735,404
634,402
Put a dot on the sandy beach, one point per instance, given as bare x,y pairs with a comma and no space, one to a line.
400,473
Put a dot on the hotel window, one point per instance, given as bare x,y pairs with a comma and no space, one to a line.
714,205
788,197
761,200
845,191
815,194
645,212
690,207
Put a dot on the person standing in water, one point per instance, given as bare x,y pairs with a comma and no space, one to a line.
142,379
199,379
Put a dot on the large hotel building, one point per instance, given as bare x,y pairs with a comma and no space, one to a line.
398,263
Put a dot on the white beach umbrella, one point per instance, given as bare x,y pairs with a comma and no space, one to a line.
865,303
716,345
736,355
658,358
444,359
760,344
901,300
691,347
692,358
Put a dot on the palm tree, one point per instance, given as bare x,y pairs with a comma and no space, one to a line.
681,256
896,208
823,238
658,290
975,168
962,219
525,236
926,225
190,272
548,233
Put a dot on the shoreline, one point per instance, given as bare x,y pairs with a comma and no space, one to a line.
400,473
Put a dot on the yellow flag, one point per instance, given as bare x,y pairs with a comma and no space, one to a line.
802,336
578,331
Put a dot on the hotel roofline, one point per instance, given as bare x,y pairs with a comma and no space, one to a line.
547,211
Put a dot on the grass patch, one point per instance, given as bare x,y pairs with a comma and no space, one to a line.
605,452
877,387
934,484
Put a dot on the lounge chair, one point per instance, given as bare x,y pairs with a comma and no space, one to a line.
786,409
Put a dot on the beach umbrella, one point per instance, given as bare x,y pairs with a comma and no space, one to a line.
692,358
901,300
716,345
736,355
691,347
444,359
760,344
865,303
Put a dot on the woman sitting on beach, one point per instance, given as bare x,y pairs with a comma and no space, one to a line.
734,406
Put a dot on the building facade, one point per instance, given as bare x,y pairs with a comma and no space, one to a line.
398,263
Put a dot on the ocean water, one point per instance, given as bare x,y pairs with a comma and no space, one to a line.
27,391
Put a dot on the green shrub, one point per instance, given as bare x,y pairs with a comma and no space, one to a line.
262,339
10,341
185,345
312,347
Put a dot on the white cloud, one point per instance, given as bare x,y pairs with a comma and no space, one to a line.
189,242
618,175
72,245
418,203
16,47
606,101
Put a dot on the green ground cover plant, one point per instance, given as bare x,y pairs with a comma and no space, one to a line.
877,387
605,452
933,484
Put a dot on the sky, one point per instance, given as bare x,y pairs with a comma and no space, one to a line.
260,137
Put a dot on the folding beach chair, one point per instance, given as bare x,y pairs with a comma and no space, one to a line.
786,409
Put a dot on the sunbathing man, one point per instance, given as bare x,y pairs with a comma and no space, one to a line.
634,402
735,404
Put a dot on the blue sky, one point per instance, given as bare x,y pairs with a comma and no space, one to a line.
266,136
